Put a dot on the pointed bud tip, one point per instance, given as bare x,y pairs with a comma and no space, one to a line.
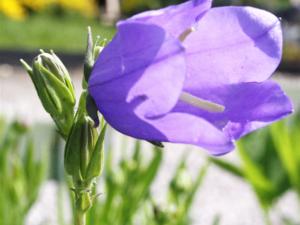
26,66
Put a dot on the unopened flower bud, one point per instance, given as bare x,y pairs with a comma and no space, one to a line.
92,52
80,143
54,88
53,63
97,51
84,149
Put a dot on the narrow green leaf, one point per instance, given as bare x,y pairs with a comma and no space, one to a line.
54,83
253,173
285,148
196,185
229,167
96,160
217,220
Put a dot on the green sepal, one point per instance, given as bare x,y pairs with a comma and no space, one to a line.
41,91
72,152
55,97
96,162
84,201
157,144
76,144
65,74
26,67
58,86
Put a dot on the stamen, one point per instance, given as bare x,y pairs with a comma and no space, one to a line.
201,103
186,33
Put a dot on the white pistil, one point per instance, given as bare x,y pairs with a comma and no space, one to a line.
186,33
201,103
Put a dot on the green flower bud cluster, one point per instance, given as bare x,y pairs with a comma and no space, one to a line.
84,155
54,88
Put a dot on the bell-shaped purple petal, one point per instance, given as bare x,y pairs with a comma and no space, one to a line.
190,129
231,45
173,127
139,77
174,19
248,106
142,66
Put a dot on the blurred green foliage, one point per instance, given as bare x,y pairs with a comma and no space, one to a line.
49,32
286,137
270,161
23,168
127,198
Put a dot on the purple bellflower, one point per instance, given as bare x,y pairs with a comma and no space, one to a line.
192,74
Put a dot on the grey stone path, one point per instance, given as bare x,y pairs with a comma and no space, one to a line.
220,193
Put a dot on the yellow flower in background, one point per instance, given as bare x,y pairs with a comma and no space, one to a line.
85,7
12,9
37,5
16,9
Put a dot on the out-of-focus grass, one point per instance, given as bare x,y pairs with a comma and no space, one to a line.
60,33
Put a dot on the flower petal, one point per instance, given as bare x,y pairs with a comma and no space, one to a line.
248,106
231,45
142,66
173,127
190,129
174,19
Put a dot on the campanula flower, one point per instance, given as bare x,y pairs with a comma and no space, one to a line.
192,74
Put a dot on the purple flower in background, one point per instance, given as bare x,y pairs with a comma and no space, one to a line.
192,74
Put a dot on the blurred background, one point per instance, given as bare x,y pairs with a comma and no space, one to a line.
259,183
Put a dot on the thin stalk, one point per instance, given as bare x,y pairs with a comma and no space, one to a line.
80,217
82,204
60,207
267,219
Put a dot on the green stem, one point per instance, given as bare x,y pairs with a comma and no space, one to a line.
82,205
80,217
267,218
